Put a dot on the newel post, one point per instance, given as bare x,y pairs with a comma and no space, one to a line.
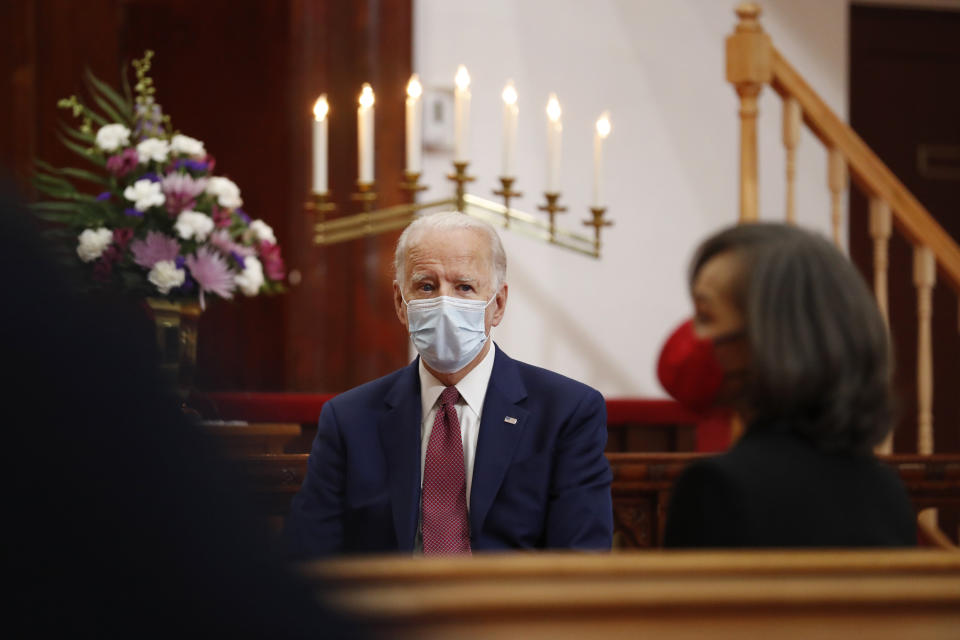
749,67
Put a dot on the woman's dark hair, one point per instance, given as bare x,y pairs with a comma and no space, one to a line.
820,352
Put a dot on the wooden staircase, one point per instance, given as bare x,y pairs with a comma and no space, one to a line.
752,62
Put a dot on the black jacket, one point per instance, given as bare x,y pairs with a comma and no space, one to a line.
776,489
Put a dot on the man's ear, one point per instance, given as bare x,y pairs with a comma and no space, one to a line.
499,305
398,304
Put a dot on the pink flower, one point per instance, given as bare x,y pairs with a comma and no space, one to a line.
221,217
272,261
122,237
156,247
221,240
123,163
181,191
212,274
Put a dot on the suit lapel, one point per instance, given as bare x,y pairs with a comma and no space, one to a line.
400,438
498,439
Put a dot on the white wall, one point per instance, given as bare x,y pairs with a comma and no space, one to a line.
672,159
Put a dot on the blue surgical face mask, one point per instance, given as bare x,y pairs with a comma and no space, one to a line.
447,332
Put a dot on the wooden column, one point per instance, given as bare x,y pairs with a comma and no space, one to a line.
881,226
749,55
837,180
791,136
924,278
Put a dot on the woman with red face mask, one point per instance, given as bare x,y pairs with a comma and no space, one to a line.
785,333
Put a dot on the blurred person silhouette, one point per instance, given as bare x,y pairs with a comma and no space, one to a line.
786,333
120,519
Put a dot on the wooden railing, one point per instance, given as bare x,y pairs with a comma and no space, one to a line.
752,62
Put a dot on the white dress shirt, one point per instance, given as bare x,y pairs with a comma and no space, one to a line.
473,390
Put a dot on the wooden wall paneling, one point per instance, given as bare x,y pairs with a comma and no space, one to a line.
219,72
18,98
242,76
342,327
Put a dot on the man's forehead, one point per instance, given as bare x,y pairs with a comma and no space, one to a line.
449,248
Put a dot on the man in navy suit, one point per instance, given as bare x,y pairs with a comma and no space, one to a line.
465,449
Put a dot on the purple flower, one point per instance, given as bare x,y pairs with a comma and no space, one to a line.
155,248
190,165
151,176
136,213
148,121
103,197
243,215
188,286
212,274
181,191
123,163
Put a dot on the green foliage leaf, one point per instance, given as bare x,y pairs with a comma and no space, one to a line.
78,135
96,117
110,111
117,105
84,152
80,174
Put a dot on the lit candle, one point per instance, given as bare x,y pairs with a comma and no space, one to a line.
554,133
365,135
414,112
320,110
509,130
603,130
461,115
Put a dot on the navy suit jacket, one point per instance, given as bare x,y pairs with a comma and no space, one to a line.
543,482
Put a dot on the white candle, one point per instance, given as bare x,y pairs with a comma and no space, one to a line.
461,115
510,112
365,135
320,109
554,134
601,133
414,116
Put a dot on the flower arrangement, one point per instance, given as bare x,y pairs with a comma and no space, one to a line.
163,225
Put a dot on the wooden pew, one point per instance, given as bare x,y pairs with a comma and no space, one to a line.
641,487
785,594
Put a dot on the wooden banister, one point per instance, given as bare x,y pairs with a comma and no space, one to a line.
867,170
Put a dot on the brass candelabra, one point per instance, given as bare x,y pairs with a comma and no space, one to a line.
371,221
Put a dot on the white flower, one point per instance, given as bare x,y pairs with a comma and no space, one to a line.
93,242
144,194
111,137
165,276
193,224
226,192
251,279
153,149
187,146
262,232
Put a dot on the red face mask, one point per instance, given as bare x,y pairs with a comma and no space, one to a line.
688,367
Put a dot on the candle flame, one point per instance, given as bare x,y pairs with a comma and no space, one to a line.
553,108
320,108
510,94
414,88
366,96
462,78
603,125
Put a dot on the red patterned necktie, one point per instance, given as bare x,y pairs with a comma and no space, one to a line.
444,526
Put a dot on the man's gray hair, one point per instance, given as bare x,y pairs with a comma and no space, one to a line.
449,221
